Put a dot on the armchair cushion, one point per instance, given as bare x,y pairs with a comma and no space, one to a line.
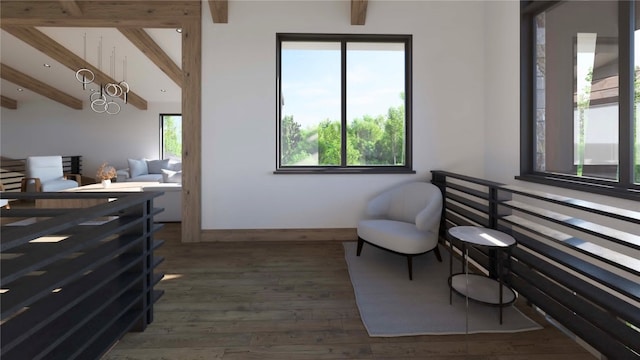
46,168
44,173
57,185
397,236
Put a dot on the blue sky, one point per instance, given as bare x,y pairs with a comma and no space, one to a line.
311,82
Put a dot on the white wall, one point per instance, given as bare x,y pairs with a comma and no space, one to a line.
43,127
240,190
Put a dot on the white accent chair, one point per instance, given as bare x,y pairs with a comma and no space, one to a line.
44,173
404,220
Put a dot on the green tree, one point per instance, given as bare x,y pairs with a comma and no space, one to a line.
330,145
365,133
393,140
292,149
172,144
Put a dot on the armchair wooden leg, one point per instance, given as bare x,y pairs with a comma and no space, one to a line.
410,264
360,243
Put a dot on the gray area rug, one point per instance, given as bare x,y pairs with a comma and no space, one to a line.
392,305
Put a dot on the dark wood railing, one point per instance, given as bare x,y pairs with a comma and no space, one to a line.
75,280
13,170
574,259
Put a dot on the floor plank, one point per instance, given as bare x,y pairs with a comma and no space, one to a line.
293,300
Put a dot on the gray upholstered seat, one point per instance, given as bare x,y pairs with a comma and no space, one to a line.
44,173
404,220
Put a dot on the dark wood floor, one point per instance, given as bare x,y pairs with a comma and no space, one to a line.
283,300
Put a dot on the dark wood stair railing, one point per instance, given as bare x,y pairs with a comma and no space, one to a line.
75,280
576,261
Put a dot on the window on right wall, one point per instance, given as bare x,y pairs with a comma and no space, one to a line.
171,136
580,91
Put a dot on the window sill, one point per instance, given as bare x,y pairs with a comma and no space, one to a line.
581,185
339,170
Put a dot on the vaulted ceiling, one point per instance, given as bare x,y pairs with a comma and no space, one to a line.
44,43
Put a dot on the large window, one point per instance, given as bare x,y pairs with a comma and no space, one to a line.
344,103
580,92
171,136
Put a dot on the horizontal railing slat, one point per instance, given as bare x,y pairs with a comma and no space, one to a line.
584,329
600,209
76,340
76,280
603,299
74,318
26,289
102,343
27,323
607,233
478,218
607,278
572,256
595,251
38,257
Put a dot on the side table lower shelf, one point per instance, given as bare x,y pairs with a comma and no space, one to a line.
482,289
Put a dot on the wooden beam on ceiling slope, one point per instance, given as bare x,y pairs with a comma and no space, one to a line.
145,43
153,13
71,7
358,12
21,79
49,47
8,103
219,11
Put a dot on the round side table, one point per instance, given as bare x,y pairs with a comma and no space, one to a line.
480,287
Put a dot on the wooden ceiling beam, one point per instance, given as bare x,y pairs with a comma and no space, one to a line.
145,43
8,103
51,48
358,12
219,11
71,7
21,79
143,13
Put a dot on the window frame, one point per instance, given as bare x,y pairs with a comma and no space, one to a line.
161,132
344,168
624,186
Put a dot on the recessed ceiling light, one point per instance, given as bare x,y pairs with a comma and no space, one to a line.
179,30
163,90
47,65
20,89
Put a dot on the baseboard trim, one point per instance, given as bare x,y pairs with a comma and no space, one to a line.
333,234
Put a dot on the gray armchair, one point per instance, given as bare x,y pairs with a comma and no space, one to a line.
404,220
44,173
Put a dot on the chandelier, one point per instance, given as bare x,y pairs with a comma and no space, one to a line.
103,100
